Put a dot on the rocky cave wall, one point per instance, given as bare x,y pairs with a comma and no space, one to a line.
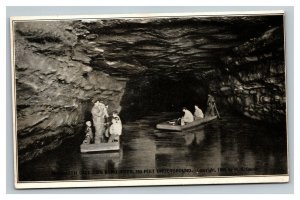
62,67
55,88
253,78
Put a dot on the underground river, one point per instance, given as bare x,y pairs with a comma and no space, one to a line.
232,145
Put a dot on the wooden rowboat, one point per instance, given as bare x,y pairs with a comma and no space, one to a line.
170,125
111,146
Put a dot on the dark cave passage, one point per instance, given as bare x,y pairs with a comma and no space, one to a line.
158,93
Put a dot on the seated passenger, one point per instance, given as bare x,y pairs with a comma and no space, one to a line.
116,116
115,130
187,118
88,133
198,114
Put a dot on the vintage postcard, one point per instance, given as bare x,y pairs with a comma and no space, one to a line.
149,99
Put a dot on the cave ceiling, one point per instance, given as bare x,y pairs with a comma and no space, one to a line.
164,46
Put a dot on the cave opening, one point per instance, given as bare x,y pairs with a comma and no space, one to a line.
161,93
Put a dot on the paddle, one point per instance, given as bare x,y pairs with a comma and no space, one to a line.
217,111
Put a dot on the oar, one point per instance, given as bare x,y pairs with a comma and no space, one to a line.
217,111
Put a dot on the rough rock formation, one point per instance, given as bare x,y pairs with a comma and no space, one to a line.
55,92
62,67
253,81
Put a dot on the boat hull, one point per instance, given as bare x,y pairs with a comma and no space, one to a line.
112,146
167,126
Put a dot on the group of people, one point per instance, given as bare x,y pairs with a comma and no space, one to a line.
107,128
188,117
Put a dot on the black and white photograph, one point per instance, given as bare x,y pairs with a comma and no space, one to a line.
152,99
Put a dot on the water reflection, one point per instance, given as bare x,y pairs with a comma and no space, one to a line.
98,164
231,146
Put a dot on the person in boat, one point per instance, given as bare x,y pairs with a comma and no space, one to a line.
210,106
116,116
198,114
115,130
99,112
88,133
187,117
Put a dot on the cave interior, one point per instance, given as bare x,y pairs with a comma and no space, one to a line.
177,63
138,66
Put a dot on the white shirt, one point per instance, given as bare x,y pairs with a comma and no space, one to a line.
115,129
198,113
188,116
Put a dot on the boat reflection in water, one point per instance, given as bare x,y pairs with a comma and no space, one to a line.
100,164
194,137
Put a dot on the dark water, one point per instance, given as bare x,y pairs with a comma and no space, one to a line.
230,146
